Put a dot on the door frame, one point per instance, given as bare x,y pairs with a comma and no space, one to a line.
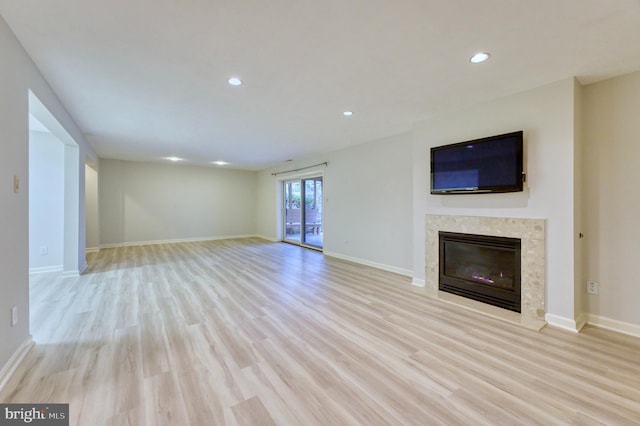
280,204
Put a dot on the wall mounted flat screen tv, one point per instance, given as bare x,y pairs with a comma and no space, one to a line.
492,164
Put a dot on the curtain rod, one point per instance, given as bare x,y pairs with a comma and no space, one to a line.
301,168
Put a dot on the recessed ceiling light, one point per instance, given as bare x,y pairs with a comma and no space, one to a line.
235,81
174,159
347,113
219,163
479,57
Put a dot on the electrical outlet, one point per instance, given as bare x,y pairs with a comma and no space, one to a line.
14,316
593,287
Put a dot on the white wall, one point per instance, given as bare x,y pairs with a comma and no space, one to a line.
367,206
91,208
546,115
611,197
46,201
18,75
141,202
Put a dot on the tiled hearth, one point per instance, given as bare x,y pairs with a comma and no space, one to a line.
532,235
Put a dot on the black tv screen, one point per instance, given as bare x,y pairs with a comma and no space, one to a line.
492,164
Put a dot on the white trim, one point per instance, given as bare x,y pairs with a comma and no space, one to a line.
177,240
418,282
614,325
15,360
45,269
562,322
272,239
581,321
92,250
70,274
394,269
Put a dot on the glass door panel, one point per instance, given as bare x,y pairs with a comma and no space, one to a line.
292,211
312,193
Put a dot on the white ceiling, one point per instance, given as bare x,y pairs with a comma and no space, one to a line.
146,79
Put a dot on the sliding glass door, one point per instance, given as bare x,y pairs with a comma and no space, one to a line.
312,190
302,211
292,212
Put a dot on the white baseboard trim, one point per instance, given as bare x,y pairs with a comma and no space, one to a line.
45,269
176,240
418,282
613,325
581,321
562,322
70,274
389,268
15,360
264,237
595,320
92,250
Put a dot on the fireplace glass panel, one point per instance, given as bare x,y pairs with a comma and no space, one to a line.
481,267
485,265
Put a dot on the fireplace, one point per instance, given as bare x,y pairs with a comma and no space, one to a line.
481,267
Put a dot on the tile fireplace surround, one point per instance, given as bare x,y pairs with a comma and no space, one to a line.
532,235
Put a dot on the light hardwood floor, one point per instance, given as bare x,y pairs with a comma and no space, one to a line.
253,332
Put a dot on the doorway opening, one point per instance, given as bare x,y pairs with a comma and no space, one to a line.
302,212
54,182
92,220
